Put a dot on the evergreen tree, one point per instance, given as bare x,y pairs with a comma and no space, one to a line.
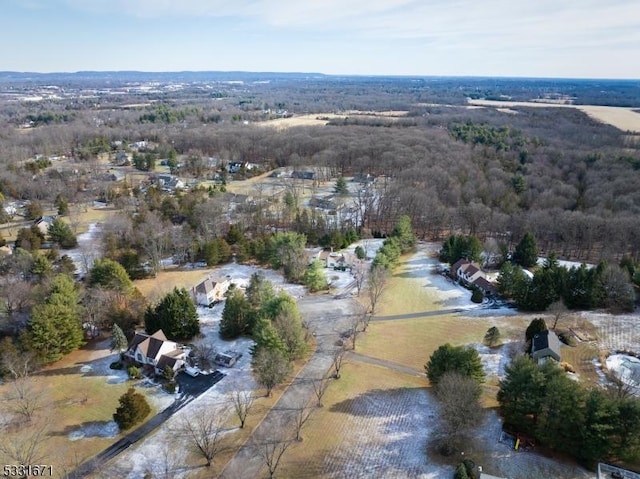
118,340
266,336
403,233
510,280
341,187
132,410
259,291
61,233
537,325
492,336
111,275
458,247
526,253
176,315
62,204
314,277
448,358
235,316
55,327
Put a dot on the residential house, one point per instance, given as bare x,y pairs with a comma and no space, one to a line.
364,178
43,223
169,183
545,345
329,202
335,260
156,351
210,290
485,286
303,175
470,274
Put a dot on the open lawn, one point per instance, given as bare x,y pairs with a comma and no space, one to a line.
155,288
410,342
371,425
78,397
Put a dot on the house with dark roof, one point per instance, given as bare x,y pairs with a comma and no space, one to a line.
471,274
545,345
156,351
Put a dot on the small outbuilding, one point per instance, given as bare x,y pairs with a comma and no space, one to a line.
545,345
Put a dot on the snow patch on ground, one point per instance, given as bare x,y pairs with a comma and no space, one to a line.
85,253
95,429
625,367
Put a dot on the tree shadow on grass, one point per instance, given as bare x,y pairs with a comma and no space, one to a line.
89,429
387,436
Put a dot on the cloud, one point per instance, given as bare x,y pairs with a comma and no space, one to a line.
540,22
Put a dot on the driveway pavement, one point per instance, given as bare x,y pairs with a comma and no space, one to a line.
327,318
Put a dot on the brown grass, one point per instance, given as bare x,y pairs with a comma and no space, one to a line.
625,119
71,399
410,342
329,430
155,288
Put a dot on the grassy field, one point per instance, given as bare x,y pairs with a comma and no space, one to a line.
410,342
358,409
155,288
74,397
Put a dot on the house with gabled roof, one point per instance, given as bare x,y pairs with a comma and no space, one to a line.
43,223
210,290
471,274
545,345
156,351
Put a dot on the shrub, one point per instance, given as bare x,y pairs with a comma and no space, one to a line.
116,365
133,409
492,336
477,296
169,387
134,372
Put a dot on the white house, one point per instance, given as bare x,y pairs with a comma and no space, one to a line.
210,290
156,351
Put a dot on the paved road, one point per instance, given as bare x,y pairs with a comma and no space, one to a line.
328,318
191,389
385,364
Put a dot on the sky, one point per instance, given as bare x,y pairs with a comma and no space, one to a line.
516,38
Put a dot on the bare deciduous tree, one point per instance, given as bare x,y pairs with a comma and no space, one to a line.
558,310
24,399
205,355
204,430
359,271
376,284
242,402
320,386
338,358
25,444
301,415
459,401
271,451
20,364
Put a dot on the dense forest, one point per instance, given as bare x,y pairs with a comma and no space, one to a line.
557,173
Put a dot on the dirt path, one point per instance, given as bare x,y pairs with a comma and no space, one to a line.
328,318
440,312
385,364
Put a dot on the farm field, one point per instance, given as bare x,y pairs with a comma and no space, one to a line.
625,119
